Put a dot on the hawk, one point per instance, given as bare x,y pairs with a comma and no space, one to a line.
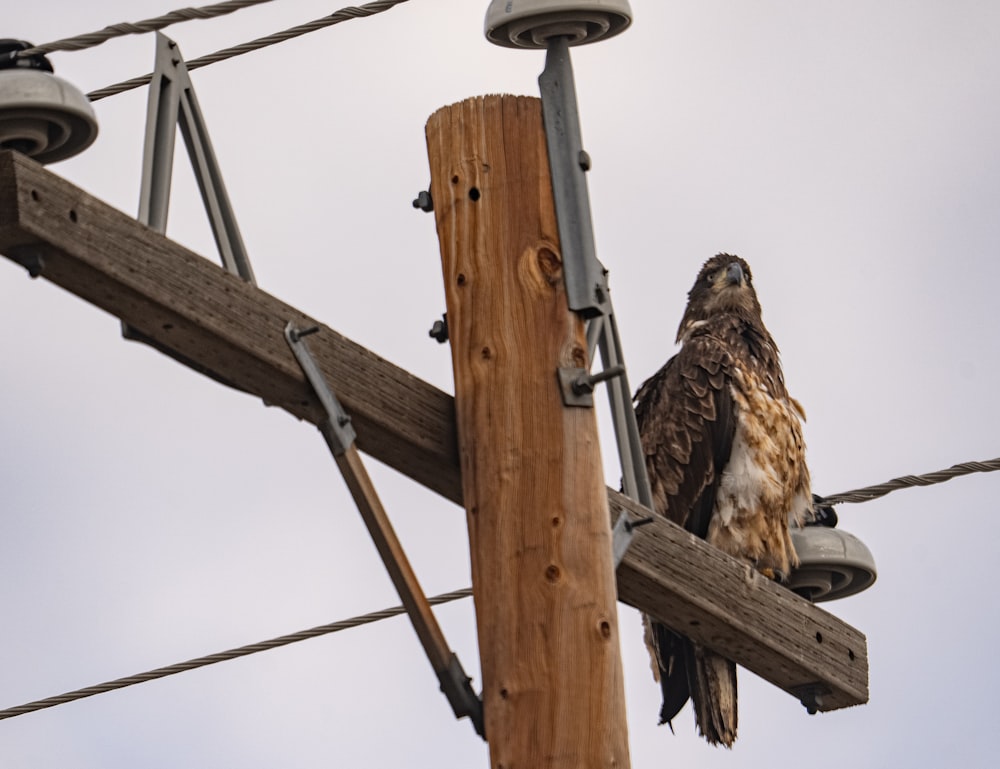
723,446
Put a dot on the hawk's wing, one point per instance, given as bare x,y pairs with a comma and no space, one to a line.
686,424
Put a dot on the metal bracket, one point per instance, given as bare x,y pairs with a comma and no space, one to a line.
568,164
340,436
172,103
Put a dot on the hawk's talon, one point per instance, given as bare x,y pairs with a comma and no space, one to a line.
775,575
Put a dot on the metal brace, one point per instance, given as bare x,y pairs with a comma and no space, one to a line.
340,436
568,164
172,103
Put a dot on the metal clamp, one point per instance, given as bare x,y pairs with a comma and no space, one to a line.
337,428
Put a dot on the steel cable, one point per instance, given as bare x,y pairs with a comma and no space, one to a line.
909,481
344,14
92,39
231,654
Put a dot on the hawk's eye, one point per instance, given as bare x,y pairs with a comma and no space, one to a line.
709,277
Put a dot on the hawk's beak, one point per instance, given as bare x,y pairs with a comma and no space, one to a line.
734,274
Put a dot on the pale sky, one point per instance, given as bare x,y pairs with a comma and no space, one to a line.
847,150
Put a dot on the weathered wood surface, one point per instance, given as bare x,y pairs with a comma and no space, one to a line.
218,322
727,605
236,331
537,510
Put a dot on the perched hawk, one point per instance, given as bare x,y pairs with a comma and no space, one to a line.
723,445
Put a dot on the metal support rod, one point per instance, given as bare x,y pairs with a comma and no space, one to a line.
635,480
568,164
340,435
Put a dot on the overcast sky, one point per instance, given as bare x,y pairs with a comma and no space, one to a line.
848,150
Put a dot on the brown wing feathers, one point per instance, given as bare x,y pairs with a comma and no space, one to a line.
686,423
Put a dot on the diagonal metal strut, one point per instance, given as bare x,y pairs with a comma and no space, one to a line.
340,435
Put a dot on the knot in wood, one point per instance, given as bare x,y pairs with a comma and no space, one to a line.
550,265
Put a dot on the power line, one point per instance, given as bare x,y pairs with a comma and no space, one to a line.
909,481
91,39
863,494
344,14
231,654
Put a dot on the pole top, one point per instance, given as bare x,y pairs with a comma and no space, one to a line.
531,23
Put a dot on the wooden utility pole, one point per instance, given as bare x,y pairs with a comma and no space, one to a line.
542,570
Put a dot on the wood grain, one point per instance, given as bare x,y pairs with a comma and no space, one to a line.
542,572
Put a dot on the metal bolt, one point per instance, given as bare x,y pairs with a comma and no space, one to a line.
585,383
599,293
812,698
584,160
299,333
439,331
631,525
423,201
30,258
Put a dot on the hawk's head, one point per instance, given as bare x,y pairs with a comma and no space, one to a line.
724,285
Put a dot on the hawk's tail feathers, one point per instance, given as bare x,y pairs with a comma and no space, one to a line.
673,656
685,671
713,692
